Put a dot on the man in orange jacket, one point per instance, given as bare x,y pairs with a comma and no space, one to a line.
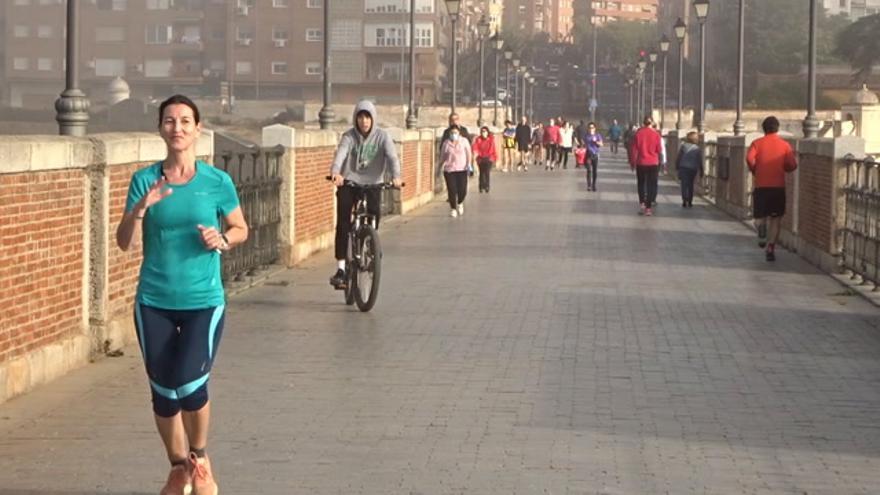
769,159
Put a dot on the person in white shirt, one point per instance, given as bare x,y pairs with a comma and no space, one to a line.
566,134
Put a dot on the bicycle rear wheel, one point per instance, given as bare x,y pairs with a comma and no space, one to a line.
369,268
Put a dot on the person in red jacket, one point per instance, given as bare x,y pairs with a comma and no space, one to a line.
552,139
644,157
485,156
769,159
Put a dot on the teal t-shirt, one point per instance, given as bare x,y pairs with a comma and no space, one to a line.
178,271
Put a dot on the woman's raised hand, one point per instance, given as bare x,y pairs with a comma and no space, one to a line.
158,191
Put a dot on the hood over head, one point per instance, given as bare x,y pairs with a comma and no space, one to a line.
364,106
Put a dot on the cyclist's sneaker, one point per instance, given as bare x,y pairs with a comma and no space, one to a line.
338,279
202,478
460,209
453,213
179,481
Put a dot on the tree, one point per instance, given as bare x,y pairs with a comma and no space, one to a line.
859,45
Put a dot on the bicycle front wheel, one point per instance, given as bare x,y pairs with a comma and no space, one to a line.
369,269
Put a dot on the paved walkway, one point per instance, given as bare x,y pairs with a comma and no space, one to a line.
550,341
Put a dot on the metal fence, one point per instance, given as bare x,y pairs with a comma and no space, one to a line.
256,174
860,241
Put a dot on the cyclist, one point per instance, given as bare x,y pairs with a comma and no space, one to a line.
364,154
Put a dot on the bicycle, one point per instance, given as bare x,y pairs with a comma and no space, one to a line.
363,259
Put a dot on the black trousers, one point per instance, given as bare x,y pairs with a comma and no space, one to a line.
687,178
456,187
564,152
646,176
592,167
346,196
485,166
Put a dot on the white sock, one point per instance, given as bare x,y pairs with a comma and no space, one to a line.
340,264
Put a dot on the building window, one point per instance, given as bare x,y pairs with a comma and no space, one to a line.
21,31
243,68
44,64
314,4
390,71
112,4
280,4
20,63
279,68
313,69
425,35
279,34
157,68
314,35
109,34
389,36
158,4
110,67
158,34
44,32
843,4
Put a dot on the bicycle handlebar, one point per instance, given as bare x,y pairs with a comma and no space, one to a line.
384,185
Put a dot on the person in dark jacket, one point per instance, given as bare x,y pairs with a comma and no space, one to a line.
454,123
688,165
523,143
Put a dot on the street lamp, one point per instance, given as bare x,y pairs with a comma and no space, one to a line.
664,49
483,30
525,78
532,99
516,91
326,116
630,83
508,57
594,101
641,92
680,29
452,7
411,119
738,125
702,9
72,106
499,43
811,122
653,58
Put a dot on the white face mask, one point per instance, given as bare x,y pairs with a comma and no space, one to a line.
453,136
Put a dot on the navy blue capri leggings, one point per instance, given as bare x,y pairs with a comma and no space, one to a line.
179,347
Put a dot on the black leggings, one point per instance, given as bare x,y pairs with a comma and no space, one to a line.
647,181
485,167
565,152
687,178
456,187
178,347
592,167
345,199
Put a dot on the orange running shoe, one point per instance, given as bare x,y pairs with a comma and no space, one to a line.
179,481
202,478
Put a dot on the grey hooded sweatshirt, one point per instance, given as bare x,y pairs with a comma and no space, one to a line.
362,159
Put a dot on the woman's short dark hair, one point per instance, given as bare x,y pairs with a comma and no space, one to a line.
179,100
592,124
770,125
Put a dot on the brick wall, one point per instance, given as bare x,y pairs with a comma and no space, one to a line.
409,169
816,195
41,259
123,266
428,157
314,196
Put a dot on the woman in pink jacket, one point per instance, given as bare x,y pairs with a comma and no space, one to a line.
457,160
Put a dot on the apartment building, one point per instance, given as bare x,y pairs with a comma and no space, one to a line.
854,9
268,49
604,12
530,17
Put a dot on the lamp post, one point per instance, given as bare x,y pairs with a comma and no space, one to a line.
653,58
680,33
452,7
326,115
630,82
411,119
532,98
702,9
738,125
516,91
664,49
498,42
525,79
641,72
508,113
594,101
811,122
72,106
483,30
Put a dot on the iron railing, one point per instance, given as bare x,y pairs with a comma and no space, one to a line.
860,235
256,174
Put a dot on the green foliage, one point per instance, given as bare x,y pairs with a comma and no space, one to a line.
616,43
786,95
859,44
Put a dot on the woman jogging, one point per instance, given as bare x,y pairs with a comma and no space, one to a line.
485,156
174,206
456,159
509,144
594,144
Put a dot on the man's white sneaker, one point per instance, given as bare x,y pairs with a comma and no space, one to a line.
460,209
453,213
